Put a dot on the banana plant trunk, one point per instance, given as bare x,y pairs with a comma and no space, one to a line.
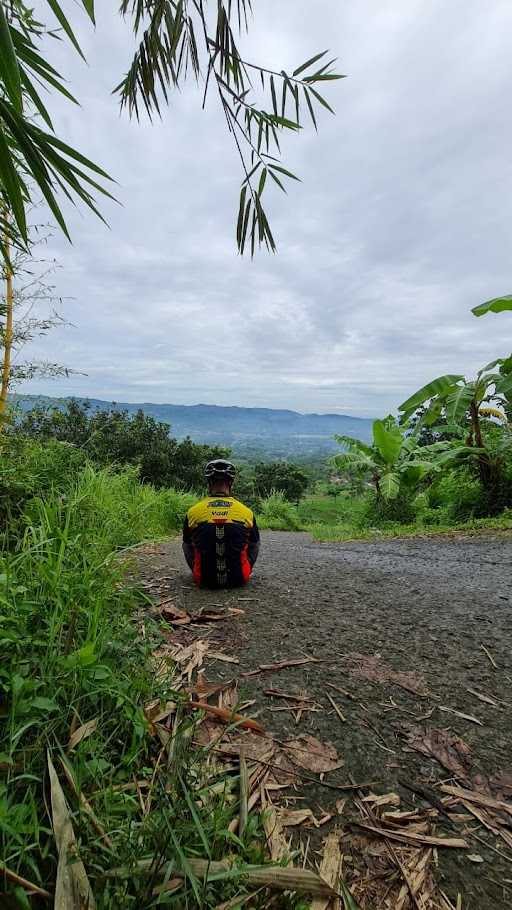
485,469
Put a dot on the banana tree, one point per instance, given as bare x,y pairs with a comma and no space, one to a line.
394,461
496,305
464,403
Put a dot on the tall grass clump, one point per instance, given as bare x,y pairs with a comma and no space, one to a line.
277,514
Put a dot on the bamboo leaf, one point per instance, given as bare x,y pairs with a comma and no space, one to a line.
12,186
9,69
323,77
284,122
36,100
282,170
273,93
89,8
72,153
277,180
321,100
308,63
241,211
61,18
245,226
310,106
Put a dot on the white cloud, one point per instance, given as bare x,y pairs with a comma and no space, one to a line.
402,222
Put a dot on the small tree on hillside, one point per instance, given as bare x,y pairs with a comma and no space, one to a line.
281,477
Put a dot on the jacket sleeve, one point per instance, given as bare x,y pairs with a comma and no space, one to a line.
254,542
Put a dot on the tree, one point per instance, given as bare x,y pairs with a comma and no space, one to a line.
115,438
394,462
464,403
176,39
280,476
26,280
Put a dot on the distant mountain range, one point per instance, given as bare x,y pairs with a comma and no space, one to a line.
275,432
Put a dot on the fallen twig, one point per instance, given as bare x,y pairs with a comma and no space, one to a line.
228,717
281,665
365,809
414,840
342,691
275,693
22,882
491,658
308,777
335,706
473,796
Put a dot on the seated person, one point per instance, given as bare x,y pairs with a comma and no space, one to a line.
220,536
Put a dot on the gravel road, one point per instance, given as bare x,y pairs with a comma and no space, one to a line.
440,607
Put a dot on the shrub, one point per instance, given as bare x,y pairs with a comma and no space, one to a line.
29,467
278,514
379,511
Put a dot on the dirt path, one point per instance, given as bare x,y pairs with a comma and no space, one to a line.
424,605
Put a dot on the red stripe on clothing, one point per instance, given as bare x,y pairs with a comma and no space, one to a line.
246,566
197,567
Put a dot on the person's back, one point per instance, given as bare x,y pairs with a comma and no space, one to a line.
220,535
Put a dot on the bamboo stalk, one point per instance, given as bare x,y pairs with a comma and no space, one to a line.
8,335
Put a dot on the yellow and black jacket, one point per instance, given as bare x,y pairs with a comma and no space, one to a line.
220,541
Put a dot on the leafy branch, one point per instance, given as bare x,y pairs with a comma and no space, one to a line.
177,39
169,48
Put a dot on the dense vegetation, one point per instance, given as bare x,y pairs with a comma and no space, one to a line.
447,461
77,490
115,437
78,660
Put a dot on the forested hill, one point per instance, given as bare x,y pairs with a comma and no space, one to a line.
278,432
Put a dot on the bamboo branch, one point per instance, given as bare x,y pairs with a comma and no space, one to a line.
8,332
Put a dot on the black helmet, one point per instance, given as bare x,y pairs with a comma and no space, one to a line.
219,468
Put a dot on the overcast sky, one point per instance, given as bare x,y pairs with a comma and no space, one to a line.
402,223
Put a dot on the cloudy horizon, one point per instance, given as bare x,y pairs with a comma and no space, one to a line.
402,221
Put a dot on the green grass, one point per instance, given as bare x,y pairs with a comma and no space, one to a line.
339,532
352,518
77,647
